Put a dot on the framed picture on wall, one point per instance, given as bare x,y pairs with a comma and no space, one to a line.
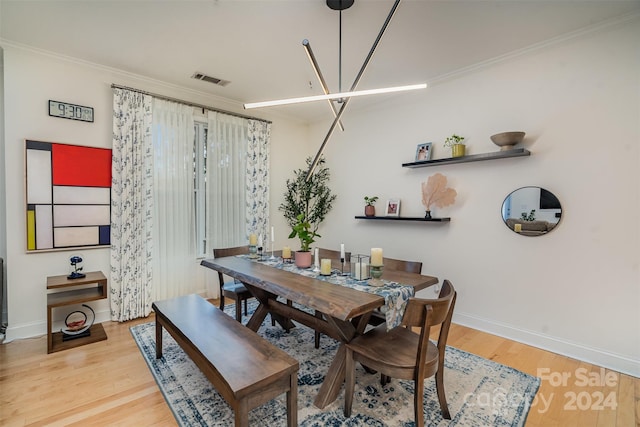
393,207
423,152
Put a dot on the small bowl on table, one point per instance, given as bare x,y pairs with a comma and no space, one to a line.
507,140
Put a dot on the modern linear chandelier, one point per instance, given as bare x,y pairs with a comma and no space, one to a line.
340,97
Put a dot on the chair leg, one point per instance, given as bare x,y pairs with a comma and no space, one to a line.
349,382
441,396
418,402
221,300
239,311
316,335
384,379
245,307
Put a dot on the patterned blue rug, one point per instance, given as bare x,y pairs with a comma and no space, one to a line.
479,392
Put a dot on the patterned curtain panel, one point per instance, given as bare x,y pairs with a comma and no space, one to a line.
174,249
226,167
131,206
257,177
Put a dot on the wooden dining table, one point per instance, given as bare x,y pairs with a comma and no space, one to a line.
340,312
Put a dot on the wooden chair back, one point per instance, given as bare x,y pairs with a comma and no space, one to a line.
401,265
441,308
223,252
332,254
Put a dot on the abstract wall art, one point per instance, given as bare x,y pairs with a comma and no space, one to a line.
68,203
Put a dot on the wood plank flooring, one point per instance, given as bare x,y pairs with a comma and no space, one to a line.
108,383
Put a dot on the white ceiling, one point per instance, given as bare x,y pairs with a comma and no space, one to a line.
257,44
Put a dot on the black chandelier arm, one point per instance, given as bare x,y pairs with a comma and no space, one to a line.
354,86
323,83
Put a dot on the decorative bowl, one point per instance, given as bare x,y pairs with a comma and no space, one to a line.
506,140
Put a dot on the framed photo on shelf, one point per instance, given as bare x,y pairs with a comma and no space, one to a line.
423,152
393,207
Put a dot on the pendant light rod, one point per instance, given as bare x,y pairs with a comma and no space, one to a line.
339,95
354,86
323,83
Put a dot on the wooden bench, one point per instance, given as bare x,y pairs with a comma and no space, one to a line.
244,368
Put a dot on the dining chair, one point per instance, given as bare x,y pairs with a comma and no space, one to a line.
233,289
377,317
402,353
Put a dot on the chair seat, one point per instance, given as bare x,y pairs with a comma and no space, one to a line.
396,348
235,287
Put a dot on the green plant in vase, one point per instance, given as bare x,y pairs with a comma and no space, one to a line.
456,143
306,204
369,208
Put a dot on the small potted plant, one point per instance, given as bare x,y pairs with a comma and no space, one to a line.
302,230
456,143
369,208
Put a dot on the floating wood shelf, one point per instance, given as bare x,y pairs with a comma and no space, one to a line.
404,218
516,152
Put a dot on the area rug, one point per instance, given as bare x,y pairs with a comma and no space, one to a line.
479,392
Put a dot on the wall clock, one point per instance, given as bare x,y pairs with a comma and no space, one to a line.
66,110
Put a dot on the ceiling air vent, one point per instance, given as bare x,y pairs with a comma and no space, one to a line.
209,79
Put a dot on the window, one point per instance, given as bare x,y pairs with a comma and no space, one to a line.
200,187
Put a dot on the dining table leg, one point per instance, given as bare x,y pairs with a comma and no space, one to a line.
335,376
261,312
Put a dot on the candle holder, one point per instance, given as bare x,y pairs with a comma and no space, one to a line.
287,260
376,271
260,258
360,267
253,251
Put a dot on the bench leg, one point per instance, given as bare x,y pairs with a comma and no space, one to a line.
292,402
158,339
242,414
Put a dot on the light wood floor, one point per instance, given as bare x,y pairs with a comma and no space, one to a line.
108,383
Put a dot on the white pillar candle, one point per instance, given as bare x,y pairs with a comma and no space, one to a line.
517,228
260,240
362,271
325,267
341,250
286,252
376,257
272,235
253,239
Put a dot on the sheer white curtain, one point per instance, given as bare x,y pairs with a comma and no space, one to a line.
174,249
226,189
131,206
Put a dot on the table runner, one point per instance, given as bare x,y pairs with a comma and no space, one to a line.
395,295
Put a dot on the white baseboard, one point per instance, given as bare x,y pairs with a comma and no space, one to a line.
595,356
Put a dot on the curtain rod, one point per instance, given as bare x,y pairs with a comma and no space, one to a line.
191,104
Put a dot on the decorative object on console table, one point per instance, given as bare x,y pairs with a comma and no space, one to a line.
369,208
76,263
393,207
423,152
507,140
436,192
456,143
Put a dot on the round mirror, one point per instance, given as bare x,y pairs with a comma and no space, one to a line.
531,211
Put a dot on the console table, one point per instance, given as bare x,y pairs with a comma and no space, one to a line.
74,293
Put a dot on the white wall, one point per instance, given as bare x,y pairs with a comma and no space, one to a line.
31,79
575,291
